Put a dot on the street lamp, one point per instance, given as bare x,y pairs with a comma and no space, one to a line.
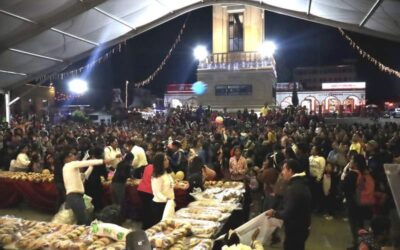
267,49
200,52
126,94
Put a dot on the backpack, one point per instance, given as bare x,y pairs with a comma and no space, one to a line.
110,214
365,189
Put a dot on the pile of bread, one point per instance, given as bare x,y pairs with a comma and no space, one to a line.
23,234
45,176
224,184
166,233
175,234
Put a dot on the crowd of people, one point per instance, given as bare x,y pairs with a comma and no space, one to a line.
340,166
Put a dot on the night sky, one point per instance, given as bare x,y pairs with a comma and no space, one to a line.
300,43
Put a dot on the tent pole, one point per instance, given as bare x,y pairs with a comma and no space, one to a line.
7,100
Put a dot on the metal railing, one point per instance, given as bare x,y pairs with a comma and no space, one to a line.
236,61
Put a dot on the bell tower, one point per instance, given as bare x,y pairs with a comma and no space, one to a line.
238,74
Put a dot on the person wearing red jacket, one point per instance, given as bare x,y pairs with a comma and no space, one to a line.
146,195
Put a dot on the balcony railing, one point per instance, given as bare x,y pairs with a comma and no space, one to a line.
237,61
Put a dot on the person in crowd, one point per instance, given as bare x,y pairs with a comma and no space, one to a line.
49,162
237,165
162,186
146,193
118,183
178,159
59,180
296,211
35,164
198,173
356,144
303,157
268,176
92,183
112,153
139,160
357,213
205,153
374,161
21,163
74,185
317,168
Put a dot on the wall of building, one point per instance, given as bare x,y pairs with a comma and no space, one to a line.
253,28
38,98
184,99
317,98
220,29
312,77
262,82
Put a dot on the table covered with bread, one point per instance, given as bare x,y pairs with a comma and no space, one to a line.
40,192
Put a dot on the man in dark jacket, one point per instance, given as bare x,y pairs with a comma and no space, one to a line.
296,211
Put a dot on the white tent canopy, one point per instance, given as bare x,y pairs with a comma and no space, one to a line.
42,36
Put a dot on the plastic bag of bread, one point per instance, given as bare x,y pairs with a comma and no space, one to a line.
88,203
109,230
169,210
64,216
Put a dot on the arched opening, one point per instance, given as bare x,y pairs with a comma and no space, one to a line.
330,105
175,103
310,103
286,102
350,104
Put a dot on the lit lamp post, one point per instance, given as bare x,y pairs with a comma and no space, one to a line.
126,94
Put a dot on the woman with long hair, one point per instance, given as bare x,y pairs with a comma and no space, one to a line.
162,185
357,213
198,173
237,165
146,195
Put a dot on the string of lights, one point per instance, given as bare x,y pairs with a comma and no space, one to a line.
60,97
370,58
151,77
75,72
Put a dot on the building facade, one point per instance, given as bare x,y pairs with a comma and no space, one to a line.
312,77
180,95
33,99
346,98
236,74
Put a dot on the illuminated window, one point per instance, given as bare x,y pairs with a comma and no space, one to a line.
235,29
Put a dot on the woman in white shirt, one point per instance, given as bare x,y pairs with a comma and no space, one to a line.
21,163
162,185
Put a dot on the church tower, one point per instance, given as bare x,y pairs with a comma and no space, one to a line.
237,73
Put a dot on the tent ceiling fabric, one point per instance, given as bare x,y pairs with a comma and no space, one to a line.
42,36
